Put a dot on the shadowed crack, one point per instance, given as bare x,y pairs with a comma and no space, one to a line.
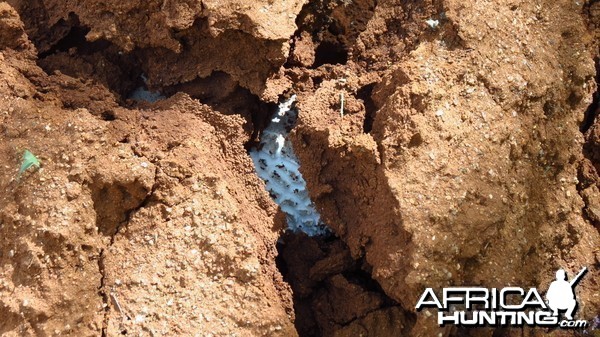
102,290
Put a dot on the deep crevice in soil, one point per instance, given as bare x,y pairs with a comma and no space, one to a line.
122,73
99,61
331,290
75,38
332,27
102,291
590,166
364,94
224,95
330,53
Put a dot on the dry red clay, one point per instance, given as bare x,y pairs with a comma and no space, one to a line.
457,159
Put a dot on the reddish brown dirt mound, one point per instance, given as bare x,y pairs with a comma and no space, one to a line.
146,224
469,172
466,153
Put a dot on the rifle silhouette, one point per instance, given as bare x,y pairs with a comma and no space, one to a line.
578,277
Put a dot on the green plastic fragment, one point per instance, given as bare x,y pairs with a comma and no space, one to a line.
28,161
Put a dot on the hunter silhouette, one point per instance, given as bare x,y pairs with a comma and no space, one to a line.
561,293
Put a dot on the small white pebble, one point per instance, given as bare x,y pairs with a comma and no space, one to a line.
432,23
140,318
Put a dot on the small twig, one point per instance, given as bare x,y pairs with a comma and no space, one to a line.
113,296
342,104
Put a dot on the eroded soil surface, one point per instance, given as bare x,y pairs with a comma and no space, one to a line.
464,153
